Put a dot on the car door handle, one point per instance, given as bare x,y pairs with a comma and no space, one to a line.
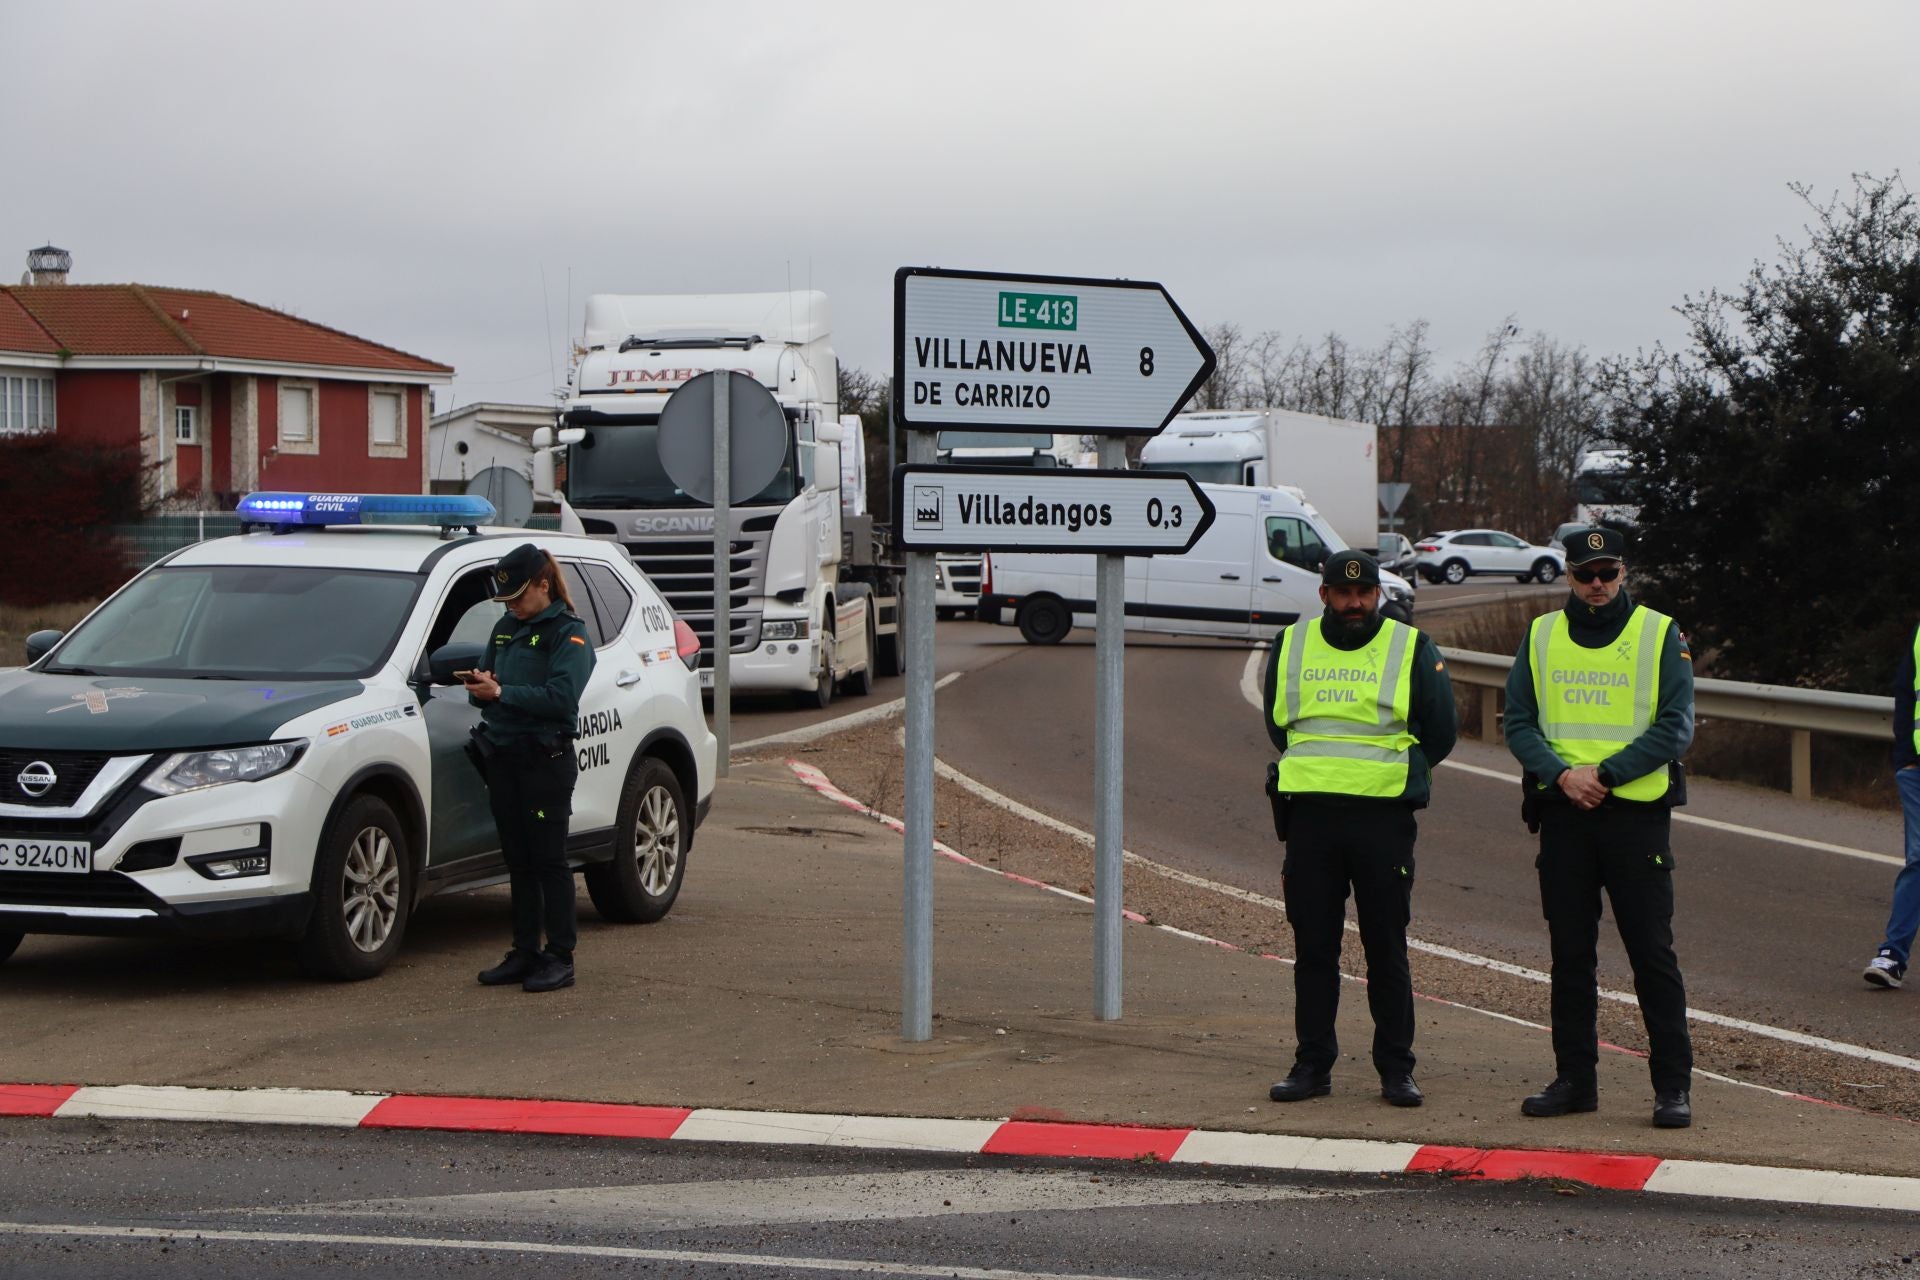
627,679
1229,577
1273,578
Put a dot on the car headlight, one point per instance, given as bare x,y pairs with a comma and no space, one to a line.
196,770
793,629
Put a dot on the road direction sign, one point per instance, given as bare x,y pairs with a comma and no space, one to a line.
998,352
1392,494
1129,513
757,443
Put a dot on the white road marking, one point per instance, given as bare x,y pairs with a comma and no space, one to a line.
839,724
1250,690
846,1266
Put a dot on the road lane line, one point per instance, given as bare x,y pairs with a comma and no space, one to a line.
839,724
1250,690
855,1266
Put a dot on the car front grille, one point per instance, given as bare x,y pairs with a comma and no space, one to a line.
95,889
73,770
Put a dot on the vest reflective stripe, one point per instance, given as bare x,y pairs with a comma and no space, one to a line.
1358,747
1916,686
1579,715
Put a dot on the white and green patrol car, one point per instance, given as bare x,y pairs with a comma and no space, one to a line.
262,736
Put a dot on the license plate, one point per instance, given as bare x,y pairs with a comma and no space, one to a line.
706,678
73,857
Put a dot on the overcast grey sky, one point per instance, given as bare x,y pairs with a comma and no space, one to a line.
431,175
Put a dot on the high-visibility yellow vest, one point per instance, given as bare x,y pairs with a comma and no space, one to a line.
1593,702
1345,711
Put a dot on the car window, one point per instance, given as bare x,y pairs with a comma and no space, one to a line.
1294,541
467,613
1470,540
584,603
1506,540
610,596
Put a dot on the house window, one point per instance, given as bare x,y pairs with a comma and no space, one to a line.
186,424
26,404
298,430
386,423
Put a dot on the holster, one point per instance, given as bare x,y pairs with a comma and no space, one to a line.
1532,796
1279,803
481,749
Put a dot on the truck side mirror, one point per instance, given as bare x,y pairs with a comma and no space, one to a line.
829,433
572,435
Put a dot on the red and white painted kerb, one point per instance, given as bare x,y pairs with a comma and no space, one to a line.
344,1110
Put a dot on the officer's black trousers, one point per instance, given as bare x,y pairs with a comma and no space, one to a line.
1368,848
531,792
1626,851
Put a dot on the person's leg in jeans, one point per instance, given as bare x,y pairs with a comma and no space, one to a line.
1904,920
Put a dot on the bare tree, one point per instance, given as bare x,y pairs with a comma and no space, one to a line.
1224,389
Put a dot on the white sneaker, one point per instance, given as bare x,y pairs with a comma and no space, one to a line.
1884,971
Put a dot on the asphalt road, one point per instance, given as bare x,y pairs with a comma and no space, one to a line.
101,1201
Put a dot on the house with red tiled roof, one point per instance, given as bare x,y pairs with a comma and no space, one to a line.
222,396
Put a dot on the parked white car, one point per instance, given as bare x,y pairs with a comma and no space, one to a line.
1458,554
262,736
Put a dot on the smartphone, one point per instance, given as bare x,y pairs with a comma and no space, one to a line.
465,676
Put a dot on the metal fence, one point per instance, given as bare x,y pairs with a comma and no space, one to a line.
1803,711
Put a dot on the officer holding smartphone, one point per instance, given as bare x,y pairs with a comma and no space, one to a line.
528,688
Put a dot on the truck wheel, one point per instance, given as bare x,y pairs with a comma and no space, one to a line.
1043,620
821,695
362,885
1544,570
650,848
1454,571
860,683
10,940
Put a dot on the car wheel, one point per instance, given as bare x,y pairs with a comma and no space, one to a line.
820,696
860,683
1545,570
1043,620
10,940
362,889
1454,571
650,848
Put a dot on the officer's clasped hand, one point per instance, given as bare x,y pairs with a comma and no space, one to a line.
1583,786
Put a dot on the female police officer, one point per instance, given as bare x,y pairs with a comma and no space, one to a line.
528,687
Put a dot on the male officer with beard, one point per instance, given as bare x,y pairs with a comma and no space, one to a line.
1360,708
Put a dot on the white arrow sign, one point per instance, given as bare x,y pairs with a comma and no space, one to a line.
1135,513
1040,353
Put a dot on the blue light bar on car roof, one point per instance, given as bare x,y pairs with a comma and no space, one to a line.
317,510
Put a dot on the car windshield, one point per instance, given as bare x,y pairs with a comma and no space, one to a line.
235,622
617,467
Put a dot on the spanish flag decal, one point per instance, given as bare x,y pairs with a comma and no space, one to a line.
578,639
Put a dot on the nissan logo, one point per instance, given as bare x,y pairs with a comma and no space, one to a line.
37,778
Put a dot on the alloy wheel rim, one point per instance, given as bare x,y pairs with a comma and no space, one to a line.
656,840
370,902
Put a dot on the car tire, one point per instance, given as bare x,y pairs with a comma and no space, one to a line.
362,893
10,940
651,837
1544,571
860,683
1455,571
820,697
1043,620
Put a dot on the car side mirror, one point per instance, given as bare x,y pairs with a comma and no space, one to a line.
41,643
449,658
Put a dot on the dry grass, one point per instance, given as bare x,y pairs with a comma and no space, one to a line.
17,622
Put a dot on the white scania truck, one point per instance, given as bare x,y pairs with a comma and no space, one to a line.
814,595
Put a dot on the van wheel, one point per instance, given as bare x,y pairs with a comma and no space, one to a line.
362,885
1043,620
10,940
860,683
1454,571
1544,570
650,848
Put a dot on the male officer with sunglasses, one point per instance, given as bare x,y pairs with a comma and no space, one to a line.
1599,712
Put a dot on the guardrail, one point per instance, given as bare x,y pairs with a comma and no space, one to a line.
1804,711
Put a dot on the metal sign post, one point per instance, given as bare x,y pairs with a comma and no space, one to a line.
722,574
916,899
1109,762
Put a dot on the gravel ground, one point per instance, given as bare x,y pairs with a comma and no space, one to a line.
865,763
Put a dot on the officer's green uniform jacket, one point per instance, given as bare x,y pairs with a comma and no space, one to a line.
1431,716
1666,739
542,665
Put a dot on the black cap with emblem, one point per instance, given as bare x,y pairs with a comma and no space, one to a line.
1351,568
1584,545
514,570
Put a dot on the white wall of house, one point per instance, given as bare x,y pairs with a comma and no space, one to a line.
462,443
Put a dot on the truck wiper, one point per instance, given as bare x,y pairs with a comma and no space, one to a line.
743,342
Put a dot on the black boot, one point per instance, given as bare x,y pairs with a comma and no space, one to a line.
1302,1083
1672,1109
553,972
514,968
1561,1097
1400,1090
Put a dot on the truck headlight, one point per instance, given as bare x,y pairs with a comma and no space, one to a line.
197,770
793,629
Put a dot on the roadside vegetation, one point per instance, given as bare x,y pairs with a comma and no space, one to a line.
17,622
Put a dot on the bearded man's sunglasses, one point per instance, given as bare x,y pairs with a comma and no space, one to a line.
1584,574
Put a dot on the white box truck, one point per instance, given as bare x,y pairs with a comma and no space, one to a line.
814,595
1333,462
1256,569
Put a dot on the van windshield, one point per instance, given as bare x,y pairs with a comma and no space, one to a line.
1204,472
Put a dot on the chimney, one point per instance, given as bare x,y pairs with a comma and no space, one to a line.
47,265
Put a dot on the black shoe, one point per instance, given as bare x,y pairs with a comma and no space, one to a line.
1560,1098
514,968
550,974
1672,1109
1401,1091
1302,1083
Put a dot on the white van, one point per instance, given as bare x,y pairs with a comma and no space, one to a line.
1256,569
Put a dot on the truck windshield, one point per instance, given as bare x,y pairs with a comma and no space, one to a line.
235,622
1204,472
618,468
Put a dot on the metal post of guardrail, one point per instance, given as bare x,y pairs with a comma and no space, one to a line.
1803,764
1489,713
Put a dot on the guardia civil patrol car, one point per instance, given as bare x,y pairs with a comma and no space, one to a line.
262,735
